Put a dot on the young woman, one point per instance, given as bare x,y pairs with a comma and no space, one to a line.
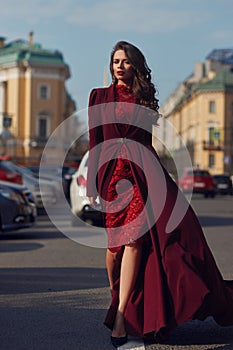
161,270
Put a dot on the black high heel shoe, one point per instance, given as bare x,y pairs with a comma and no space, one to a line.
116,342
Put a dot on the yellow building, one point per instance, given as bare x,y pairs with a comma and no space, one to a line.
33,97
203,117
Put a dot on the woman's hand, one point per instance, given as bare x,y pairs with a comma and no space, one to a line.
92,201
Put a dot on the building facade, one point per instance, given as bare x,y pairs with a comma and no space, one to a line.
33,97
201,112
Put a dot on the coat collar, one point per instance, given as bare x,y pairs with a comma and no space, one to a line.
110,93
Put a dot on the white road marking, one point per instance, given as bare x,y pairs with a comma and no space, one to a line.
133,344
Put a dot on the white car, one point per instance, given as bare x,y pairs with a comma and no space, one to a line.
80,204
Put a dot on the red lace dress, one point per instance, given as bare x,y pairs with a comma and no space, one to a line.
124,202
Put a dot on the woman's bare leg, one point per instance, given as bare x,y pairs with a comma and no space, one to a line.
113,264
129,271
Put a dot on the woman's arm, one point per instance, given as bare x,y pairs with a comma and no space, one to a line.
95,138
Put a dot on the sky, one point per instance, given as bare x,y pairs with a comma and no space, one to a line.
172,34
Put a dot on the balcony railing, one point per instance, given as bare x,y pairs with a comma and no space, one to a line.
213,145
38,141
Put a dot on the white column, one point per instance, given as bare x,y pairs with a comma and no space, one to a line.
2,103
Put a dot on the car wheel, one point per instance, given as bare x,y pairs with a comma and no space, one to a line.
89,222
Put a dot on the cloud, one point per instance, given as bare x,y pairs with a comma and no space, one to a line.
134,15
148,16
36,10
222,36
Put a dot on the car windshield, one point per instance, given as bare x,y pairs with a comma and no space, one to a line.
6,165
14,167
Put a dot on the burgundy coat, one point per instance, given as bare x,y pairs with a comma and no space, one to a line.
178,279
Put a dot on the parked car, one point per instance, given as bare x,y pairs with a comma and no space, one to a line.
49,171
198,181
66,181
56,174
17,207
223,184
44,191
80,204
7,174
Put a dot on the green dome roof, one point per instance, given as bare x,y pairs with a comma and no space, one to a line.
20,50
222,81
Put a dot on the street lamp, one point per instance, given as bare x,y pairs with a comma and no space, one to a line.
5,134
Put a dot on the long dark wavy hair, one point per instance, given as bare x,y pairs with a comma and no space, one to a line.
142,86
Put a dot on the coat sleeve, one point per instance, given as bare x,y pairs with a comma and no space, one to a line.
95,138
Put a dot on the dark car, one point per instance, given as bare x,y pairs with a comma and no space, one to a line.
198,181
56,172
67,178
223,184
17,207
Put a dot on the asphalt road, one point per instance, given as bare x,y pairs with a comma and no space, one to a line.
54,291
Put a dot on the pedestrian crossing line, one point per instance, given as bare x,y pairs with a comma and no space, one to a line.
133,344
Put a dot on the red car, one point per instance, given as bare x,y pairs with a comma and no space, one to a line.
8,175
198,181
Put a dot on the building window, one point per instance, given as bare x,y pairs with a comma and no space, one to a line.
44,92
43,125
214,135
212,107
231,108
43,128
211,134
211,161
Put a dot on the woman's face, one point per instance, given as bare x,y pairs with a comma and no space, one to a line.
122,69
